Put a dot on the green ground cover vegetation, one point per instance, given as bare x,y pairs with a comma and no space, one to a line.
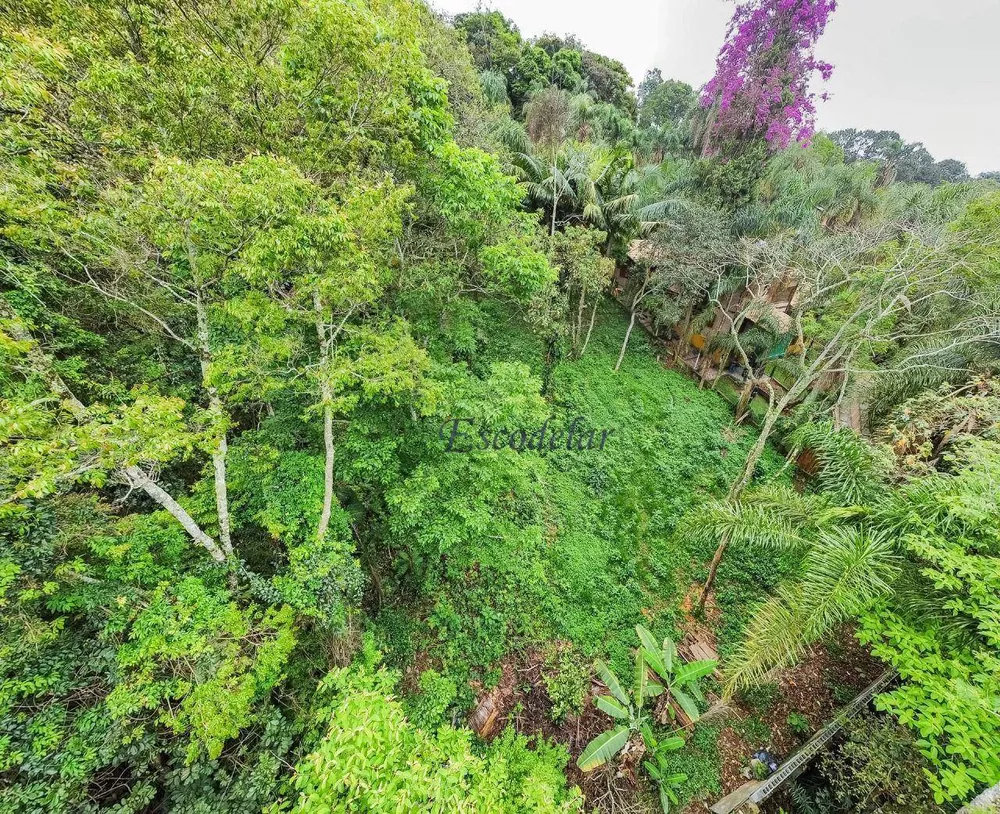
255,258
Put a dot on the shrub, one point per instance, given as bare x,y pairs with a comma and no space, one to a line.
566,678
878,769
374,759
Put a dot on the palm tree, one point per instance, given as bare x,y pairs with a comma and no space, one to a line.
845,571
846,195
567,178
494,85
584,116
804,190
926,364
630,202
856,537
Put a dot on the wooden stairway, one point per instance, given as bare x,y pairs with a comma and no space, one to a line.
756,791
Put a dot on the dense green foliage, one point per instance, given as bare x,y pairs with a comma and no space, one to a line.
875,769
268,273
373,759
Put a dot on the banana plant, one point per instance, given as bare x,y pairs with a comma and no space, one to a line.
622,706
680,681
659,769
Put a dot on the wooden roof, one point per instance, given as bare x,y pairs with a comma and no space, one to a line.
761,309
645,251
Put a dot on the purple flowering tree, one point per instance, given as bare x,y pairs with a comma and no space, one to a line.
761,83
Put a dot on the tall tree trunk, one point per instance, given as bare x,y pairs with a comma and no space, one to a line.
326,393
829,355
737,489
756,451
745,394
628,333
590,328
712,569
578,330
222,448
555,196
329,453
41,363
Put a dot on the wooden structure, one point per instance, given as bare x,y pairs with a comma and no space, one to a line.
772,307
756,791
699,648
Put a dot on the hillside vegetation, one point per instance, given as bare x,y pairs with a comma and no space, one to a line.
289,293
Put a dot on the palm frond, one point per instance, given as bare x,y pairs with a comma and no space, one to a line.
847,571
494,86
762,526
852,471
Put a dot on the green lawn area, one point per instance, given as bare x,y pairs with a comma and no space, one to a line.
615,555
604,557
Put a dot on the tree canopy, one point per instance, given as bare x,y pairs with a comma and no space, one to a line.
718,381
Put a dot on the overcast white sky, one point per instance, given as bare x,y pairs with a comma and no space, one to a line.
928,69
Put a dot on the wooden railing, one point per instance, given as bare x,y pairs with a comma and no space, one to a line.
760,790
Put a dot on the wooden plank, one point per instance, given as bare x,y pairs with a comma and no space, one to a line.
736,799
699,650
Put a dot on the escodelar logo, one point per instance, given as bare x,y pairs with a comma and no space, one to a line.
460,435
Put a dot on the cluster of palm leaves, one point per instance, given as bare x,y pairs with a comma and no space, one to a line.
598,185
580,163
804,190
856,537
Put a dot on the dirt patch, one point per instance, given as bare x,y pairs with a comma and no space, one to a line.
700,625
520,700
815,689
733,754
422,660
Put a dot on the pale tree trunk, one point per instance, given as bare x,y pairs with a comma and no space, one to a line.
555,202
330,452
42,364
590,328
326,393
985,803
828,356
831,353
215,407
712,569
140,480
837,417
555,196
745,394
737,489
640,294
628,333
578,329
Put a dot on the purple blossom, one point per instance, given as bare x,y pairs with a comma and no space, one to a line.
761,83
